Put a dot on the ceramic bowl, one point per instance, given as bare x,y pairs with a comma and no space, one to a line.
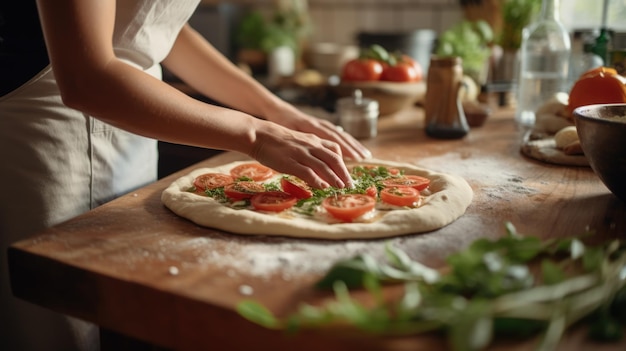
602,133
391,96
329,58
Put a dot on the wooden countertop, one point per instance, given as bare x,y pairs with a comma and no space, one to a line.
133,267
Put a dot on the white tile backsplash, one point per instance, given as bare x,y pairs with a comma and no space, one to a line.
340,20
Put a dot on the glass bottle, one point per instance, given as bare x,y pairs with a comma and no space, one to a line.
544,59
603,45
444,115
582,58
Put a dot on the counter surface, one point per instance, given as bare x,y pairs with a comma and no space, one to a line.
135,268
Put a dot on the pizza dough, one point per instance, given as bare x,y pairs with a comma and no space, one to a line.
551,115
449,197
545,150
554,138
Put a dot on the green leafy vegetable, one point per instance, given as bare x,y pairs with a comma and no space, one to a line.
488,291
257,313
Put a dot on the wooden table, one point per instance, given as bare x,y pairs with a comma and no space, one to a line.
134,268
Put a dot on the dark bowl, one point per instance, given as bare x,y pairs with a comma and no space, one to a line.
602,133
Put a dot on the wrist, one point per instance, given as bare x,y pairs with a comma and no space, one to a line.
274,108
257,132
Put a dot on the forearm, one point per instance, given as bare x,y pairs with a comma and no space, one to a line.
132,100
206,70
202,67
93,80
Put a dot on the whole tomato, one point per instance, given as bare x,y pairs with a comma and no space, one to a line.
359,70
418,67
400,72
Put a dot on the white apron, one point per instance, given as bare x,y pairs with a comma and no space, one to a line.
56,163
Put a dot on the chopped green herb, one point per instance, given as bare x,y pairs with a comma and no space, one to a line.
273,186
217,194
244,179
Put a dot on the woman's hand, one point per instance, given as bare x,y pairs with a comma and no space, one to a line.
315,160
292,118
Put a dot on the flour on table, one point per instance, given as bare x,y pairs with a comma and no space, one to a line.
482,172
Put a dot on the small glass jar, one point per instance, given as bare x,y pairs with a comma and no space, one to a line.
358,116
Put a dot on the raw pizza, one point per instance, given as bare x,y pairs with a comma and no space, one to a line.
388,199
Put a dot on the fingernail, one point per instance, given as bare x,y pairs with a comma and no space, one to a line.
367,154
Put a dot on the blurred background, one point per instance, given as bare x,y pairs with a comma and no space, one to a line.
324,34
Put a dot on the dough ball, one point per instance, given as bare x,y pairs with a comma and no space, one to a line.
555,105
550,116
565,136
550,123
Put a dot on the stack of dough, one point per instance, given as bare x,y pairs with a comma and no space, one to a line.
567,140
553,119
552,115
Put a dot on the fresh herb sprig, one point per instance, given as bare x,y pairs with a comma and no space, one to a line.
487,291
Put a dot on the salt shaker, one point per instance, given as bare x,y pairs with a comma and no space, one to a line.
358,115
445,117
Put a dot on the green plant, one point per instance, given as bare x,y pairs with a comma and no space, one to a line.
469,40
516,14
285,28
251,31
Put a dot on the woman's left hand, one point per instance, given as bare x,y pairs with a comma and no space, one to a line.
292,118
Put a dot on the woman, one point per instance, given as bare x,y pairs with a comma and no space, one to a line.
82,129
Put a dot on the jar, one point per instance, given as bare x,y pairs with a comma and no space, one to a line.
443,107
358,116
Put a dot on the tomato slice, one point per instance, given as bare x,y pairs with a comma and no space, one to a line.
348,207
413,181
254,171
273,201
371,191
296,187
211,181
400,196
243,190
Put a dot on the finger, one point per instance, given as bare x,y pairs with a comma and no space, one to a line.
315,173
333,165
322,167
350,146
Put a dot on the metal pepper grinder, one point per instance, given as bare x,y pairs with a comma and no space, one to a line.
358,115
445,117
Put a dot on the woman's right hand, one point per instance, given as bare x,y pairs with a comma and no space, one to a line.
317,161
